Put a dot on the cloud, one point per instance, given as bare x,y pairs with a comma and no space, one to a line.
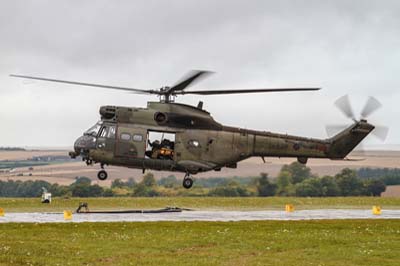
347,47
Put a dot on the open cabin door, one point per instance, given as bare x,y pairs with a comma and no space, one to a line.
160,145
130,142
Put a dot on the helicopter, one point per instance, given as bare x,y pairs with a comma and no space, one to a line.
192,141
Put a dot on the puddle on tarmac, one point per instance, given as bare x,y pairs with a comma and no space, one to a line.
201,216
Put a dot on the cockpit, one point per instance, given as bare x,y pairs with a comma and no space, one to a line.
94,130
85,143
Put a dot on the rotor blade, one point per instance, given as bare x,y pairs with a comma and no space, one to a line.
189,79
371,106
344,105
332,130
380,132
215,92
88,84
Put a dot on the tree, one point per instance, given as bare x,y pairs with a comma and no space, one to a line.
329,186
284,183
168,182
131,182
374,187
117,183
348,183
149,180
141,190
108,192
58,191
84,190
232,189
82,180
298,171
310,187
228,192
264,187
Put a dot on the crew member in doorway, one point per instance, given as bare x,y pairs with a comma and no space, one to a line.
163,150
155,148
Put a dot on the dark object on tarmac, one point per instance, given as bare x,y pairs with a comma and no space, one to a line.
166,209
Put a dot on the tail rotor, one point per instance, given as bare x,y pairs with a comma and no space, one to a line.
370,107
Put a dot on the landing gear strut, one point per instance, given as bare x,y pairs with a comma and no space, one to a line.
187,181
102,174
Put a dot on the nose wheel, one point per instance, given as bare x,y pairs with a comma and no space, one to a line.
102,175
187,181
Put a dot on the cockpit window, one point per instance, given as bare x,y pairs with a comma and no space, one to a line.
111,132
94,130
104,132
107,132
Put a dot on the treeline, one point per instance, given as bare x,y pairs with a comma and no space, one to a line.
297,180
293,180
390,176
80,188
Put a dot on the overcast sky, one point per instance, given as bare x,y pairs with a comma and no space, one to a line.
346,47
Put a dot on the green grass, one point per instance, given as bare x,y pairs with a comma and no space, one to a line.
334,242
209,203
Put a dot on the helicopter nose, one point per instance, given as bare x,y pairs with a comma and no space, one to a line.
83,145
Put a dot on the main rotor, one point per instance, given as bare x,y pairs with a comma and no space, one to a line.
167,94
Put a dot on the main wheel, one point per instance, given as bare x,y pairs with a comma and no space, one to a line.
102,175
187,182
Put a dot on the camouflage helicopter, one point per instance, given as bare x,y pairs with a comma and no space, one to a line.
192,141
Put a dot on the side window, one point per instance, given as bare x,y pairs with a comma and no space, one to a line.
125,136
103,132
138,138
111,132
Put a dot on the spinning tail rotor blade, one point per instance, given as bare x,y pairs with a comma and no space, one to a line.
370,106
332,130
380,132
343,104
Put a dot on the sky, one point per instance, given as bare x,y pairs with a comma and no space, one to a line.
345,47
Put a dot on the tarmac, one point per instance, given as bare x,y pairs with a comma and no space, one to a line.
188,216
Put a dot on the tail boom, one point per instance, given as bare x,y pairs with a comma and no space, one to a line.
337,147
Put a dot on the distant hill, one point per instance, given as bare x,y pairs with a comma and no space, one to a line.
11,149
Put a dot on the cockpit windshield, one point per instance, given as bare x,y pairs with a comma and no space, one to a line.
94,130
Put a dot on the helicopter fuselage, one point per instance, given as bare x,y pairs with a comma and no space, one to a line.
179,137
199,143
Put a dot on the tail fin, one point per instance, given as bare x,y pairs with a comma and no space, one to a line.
344,142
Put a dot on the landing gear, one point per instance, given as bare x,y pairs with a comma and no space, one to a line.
102,175
187,181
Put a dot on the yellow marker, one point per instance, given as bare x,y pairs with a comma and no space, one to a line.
289,208
67,215
1,212
376,210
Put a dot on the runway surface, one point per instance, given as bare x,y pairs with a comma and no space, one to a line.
202,216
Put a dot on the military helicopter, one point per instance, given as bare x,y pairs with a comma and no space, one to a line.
191,140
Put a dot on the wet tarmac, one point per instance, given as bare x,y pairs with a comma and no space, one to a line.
202,216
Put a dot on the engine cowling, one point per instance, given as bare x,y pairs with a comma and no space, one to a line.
108,112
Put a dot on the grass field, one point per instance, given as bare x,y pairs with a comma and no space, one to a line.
340,242
209,203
